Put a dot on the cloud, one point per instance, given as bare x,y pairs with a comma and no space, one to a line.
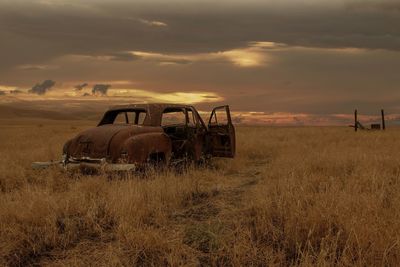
7,87
175,62
195,30
153,23
123,56
79,87
170,97
211,96
42,88
36,67
254,55
319,57
167,59
15,92
100,89
248,57
193,27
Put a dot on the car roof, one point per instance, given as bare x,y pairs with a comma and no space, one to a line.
152,106
154,111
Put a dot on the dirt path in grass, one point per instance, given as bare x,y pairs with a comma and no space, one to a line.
224,200
213,215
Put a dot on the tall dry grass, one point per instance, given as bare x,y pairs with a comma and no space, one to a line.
292,196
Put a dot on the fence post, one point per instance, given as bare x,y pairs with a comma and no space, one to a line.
383,119
355,120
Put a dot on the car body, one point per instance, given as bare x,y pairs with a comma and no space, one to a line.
135,135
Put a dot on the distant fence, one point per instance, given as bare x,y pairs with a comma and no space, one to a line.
374,126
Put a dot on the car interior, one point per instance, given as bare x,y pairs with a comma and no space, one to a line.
173,121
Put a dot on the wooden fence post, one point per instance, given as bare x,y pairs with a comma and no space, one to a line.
355,120
383,119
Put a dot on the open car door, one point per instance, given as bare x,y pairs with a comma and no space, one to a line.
222,132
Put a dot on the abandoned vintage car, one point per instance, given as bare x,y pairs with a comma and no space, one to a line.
133,136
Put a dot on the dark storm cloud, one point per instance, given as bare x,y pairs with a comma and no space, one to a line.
42,88
100,89
79,87
57,28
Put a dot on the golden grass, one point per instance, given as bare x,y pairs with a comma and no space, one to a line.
292,196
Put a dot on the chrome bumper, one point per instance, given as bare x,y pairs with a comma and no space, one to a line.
84,163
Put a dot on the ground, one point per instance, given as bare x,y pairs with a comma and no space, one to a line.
292,196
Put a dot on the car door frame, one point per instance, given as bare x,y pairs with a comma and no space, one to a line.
199,133
222,136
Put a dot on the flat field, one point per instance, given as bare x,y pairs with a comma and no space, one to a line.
292,196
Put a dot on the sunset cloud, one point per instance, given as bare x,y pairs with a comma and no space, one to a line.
245,57
172,97
252,56
122,56
153,23
7,87
36,67
117,91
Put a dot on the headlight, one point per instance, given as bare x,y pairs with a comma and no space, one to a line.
123,156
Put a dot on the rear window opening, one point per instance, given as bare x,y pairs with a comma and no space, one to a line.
125,117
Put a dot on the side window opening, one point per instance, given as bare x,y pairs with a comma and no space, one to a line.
122,118
219,117
222,117
213,120
140,116
174,122
173,117
192,120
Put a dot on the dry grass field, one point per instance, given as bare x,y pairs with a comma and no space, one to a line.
292,196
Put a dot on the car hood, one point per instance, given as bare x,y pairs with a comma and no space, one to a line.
97,142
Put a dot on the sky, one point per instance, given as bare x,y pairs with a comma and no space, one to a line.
287,61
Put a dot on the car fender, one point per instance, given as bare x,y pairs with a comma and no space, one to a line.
138,148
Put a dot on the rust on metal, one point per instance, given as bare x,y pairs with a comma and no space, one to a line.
135,135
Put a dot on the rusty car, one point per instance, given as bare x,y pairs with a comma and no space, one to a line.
134,136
